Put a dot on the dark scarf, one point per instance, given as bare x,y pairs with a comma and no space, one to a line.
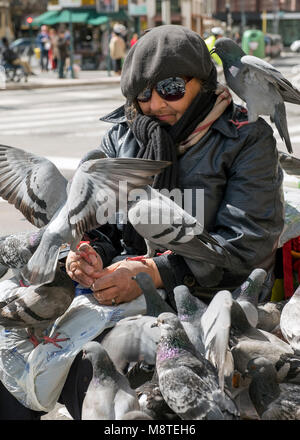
159,142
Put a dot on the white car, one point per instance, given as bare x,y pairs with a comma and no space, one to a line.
295,46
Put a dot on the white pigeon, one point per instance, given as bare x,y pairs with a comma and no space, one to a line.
289,321
36,187
109,396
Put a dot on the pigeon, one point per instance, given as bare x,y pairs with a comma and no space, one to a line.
289,321
247,295
36,307
166,226
152,402
109,396
259,84
36,187
17,249
154,302
290,164
131,340
269,314
272,401
288,368
188,384
247,342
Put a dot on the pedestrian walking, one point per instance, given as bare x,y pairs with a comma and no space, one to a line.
44,43
62,53
117,48
53,54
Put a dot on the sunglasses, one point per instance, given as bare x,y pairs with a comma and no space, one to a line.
170,89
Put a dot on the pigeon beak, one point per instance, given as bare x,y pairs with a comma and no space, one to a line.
213,50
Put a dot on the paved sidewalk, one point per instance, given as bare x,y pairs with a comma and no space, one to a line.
50,79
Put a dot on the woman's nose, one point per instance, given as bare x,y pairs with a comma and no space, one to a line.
156,102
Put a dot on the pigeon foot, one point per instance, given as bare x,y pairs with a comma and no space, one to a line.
54,340
239,124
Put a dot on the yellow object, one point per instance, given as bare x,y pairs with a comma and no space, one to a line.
37,52
210,42
278,290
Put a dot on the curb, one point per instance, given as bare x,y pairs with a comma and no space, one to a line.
66,83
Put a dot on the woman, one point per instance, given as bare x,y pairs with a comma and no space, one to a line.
174,111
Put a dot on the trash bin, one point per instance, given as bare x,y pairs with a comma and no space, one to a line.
253,43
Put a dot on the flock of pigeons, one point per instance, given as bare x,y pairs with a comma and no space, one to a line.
193,363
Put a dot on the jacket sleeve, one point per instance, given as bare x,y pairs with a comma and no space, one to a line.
249,220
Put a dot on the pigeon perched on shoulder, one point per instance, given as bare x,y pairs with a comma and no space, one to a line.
109,396
272,401
188,384
248,293
289,321
36,307
259,84
154,302
36,187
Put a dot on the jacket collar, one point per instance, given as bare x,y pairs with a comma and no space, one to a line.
222,124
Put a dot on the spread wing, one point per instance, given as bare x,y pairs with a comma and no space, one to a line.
98,184
32,184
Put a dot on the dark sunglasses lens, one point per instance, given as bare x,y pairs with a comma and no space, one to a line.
171,89
145,95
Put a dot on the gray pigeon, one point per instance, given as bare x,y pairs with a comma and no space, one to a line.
269,314
17,249
289,321
290,164
109,396
188,384
36,187
165,225
247,295
259,84
272,401
154,302
36,307
247,342
131,340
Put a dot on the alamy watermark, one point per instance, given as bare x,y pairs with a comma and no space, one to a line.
147,206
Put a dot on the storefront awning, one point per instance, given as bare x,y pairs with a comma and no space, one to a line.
78,16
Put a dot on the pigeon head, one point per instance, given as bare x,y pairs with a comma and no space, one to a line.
228,50
168,322
260,365
187,304
97,355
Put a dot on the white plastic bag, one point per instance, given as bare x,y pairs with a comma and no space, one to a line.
36,375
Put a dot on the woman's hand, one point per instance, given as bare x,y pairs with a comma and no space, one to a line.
115,285
84,265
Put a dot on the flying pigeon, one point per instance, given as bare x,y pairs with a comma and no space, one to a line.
131,340
188,384
247,294
272,400
17,249
36,187
259,84
289,321
109,396
36,307
154,302
165,225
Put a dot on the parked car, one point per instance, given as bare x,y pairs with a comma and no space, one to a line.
295,46
273,45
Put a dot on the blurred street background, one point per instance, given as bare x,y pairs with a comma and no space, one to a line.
53,109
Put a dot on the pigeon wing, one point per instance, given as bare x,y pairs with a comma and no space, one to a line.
96,188
32,184
288,92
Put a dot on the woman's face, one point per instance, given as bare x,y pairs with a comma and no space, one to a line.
171,111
